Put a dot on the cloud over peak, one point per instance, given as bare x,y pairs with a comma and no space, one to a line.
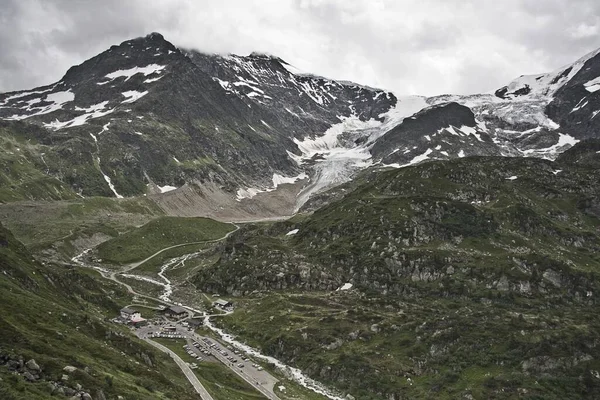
427,47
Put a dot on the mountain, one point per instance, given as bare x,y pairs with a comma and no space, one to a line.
440,247
145,112
465,278
203,133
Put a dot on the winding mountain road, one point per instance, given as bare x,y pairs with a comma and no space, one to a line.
134,265
111,275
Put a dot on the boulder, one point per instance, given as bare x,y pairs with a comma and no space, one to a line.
29,376
13,365
503,284
32,365
86,396
52,386
69,369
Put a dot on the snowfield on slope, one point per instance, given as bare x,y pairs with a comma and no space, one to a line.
339,157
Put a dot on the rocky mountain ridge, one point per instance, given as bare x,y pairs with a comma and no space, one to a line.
197,131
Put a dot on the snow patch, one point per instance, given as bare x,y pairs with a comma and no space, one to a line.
545,85
551,152
24,94
467,130
593,85
311,92
128,73
512,178
579,106
93,111
133,95
57,99
421,157
106,177
142,278
345,286
281,180
224,84
166,188
291,112
292,232
450,129
150,80
249,193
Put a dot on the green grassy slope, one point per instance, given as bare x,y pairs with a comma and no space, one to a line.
162,232
62,229
466,283
22,166
58,316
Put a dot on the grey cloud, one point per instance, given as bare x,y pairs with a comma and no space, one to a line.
426,47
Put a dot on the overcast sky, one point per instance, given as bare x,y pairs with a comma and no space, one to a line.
408,46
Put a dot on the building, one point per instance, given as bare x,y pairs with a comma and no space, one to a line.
129,314
223,304
176,312
195,323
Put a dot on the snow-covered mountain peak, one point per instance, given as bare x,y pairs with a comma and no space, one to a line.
166,118
544,85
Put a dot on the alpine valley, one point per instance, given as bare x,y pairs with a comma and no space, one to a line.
373,245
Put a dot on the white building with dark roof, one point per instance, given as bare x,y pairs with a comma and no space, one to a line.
129,314
224,304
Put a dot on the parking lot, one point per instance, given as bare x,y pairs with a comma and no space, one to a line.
245,366
205,349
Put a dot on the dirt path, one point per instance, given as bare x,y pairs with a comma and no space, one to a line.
131,266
